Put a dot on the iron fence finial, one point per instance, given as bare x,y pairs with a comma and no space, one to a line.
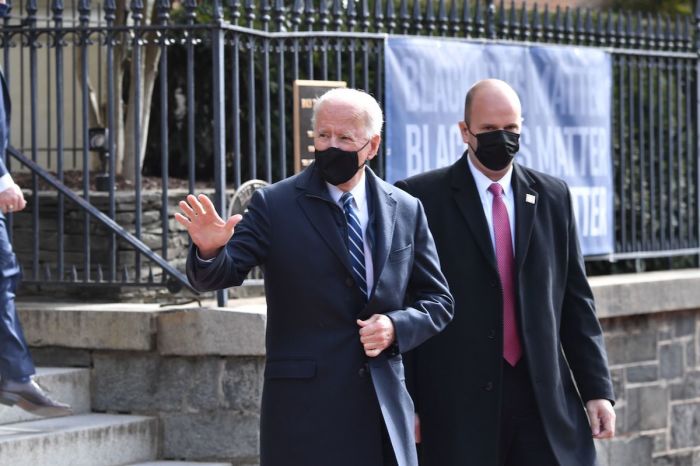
467,18
525,21
454,18
479,20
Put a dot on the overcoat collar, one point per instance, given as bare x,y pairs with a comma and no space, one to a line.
466,196
526,201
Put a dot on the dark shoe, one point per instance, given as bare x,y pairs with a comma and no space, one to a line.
30,397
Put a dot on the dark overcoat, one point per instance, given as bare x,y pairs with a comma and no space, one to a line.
324,402
455,378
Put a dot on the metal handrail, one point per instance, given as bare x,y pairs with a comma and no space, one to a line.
114,227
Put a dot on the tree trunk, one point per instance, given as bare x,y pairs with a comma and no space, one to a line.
120,63
94,111
148,68
124,129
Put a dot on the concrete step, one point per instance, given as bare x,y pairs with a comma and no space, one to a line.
179,463
67,385
52,329
84,440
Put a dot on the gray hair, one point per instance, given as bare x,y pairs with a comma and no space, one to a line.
371,112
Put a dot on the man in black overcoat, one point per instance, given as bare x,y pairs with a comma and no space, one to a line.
520,376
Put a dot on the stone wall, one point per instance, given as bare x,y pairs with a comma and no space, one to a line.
200,371
652,333
653,360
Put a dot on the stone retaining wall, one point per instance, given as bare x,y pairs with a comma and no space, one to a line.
653,360
652,334
200,371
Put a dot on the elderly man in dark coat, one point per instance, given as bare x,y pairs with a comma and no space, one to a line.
352,280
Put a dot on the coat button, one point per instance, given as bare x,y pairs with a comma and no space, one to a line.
349,282
364,370
488,386
492,334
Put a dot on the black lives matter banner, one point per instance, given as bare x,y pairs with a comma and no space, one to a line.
566,97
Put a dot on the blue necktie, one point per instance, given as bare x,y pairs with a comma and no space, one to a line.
355,243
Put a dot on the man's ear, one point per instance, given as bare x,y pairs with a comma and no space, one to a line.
374,143
464,131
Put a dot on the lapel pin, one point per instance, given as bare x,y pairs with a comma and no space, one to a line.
529,198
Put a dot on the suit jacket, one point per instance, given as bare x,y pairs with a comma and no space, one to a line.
9,267
455,378
4,121
323,401
4,108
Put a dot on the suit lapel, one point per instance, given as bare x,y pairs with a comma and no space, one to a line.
466,195
318,207
385,214
525,208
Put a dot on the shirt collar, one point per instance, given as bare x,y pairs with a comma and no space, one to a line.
483,182
359,192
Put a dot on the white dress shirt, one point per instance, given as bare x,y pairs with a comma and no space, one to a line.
6,182
482,185
359,194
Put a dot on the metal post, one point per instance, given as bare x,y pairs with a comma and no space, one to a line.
252,146
267,124
490,19
110,10
163,7
280,19
236,95
33,44
190,14
137,16
697,123
57,7
218,93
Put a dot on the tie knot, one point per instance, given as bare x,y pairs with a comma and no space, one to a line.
496,189
346,199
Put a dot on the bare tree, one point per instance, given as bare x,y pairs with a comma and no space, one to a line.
148,70
125,112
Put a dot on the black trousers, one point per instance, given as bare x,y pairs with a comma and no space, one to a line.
523,441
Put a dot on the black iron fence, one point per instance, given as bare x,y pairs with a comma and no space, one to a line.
198,95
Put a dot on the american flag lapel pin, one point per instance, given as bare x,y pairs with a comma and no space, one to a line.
529,198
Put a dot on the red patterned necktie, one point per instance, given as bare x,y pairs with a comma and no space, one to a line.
512,349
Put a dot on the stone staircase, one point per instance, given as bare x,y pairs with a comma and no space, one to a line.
82,439
146,383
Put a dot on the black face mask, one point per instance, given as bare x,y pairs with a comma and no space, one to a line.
336,165
496,149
